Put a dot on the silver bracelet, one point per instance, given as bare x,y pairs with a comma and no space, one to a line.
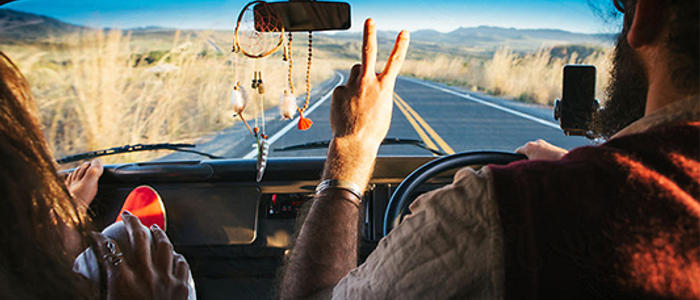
340,184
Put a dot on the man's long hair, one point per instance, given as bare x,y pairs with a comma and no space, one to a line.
36,206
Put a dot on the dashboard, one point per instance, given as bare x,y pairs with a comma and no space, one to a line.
236,232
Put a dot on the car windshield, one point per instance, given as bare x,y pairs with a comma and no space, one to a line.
480,75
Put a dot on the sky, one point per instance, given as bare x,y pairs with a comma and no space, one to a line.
441,15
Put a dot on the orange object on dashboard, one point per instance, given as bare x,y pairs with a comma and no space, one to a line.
145,203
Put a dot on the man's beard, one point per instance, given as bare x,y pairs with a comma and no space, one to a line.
626,93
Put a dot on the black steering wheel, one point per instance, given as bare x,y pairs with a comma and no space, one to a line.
399,202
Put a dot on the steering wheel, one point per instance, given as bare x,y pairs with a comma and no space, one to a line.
399,202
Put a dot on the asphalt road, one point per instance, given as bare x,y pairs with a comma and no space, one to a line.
443,118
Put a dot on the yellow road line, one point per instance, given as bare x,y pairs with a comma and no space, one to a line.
428,142
445,147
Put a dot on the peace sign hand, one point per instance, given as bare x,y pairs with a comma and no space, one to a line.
361,111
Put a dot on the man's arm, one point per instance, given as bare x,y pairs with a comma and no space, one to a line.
326,248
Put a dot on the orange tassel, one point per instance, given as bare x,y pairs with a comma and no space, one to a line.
304,123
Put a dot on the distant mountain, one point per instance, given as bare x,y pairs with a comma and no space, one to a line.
21,26
16,26
490,37
490,34
149,28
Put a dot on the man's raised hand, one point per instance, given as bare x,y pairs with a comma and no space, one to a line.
361,111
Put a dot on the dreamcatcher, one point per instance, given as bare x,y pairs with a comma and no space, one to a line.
258,34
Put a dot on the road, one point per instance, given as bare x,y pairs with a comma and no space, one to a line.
444,118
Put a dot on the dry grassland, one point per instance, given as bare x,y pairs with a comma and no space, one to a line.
96,90
99,89
534,77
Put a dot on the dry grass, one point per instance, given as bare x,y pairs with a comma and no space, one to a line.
93,93
534,77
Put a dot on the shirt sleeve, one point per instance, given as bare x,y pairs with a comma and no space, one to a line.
450,246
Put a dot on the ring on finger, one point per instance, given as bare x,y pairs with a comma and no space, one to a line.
114,257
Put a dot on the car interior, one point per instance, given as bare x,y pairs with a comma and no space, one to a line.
235,231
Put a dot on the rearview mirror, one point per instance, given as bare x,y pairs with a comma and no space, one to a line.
305,15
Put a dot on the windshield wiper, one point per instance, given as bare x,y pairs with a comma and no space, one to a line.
387,141
134,148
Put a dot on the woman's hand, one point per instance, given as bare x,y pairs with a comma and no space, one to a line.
154,272
541,150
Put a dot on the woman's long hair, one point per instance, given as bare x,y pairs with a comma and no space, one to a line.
36,206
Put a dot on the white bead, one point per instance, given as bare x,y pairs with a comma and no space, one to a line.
239,99
288,106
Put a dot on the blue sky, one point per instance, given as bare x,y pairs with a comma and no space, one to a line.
442,15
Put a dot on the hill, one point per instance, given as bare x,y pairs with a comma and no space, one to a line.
490,38
17,26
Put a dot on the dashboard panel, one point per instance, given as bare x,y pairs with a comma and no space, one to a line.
235,232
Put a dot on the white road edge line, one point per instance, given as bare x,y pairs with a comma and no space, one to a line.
279,134
477,100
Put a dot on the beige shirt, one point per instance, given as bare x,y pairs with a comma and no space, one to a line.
451,245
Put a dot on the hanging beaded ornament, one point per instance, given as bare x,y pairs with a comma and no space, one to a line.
304,123
258,34
288,101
